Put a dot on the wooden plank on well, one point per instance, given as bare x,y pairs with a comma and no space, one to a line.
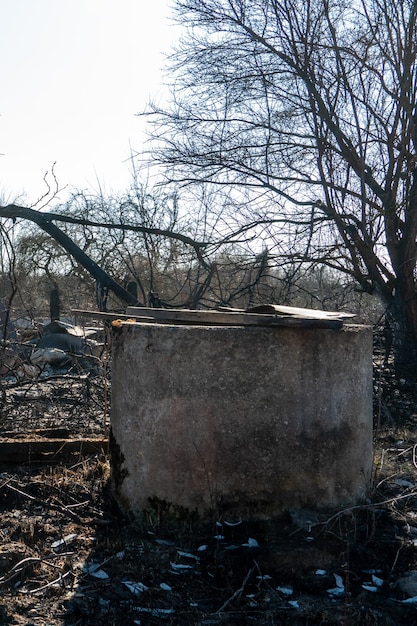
270,315
233,318
299,311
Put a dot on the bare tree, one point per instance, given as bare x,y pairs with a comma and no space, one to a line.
305,111
107,240
136,236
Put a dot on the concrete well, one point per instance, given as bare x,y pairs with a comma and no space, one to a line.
249,421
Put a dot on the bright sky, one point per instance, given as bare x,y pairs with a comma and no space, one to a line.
73,73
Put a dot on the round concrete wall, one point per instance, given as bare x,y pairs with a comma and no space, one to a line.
249,420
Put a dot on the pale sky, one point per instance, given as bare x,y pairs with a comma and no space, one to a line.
73,73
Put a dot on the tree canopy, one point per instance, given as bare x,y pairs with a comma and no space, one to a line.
305,112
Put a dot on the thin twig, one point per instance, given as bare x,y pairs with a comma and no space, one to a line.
367,507
239,591
46,379
414,455
51,504
61,578
19,567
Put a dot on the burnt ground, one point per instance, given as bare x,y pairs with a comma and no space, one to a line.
68,557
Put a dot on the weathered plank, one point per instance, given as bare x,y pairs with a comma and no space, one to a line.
299,311
234,318
27,450
35,433
265,315
103,315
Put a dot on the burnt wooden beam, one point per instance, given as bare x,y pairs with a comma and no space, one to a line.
54,449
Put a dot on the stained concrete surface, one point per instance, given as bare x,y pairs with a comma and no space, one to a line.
249,421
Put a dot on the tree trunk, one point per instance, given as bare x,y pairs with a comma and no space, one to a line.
402,319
